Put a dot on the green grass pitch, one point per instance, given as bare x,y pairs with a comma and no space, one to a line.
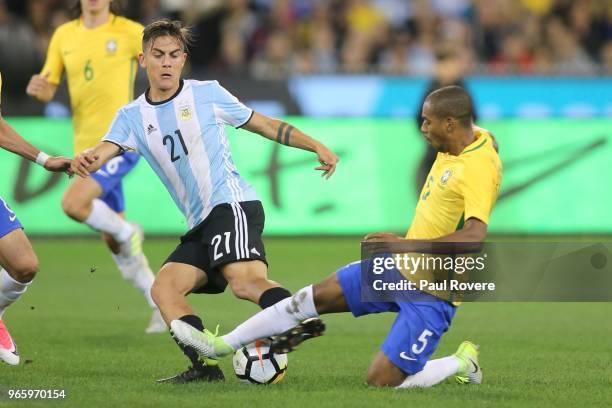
83,331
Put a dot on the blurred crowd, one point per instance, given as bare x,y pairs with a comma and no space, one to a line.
271,39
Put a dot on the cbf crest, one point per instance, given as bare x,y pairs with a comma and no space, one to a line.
111,46
445,176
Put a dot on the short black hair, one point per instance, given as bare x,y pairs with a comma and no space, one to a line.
77,10
166,27
452,101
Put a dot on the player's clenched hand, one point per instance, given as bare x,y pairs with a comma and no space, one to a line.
328,160
59,164
382,237
80,164
39,87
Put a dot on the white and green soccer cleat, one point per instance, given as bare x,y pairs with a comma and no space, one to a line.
469,369
133,245
206,343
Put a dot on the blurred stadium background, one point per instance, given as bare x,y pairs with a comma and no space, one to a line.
353,73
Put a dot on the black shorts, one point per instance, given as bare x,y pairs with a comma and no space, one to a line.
230,233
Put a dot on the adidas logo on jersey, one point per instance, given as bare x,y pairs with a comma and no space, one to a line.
150,129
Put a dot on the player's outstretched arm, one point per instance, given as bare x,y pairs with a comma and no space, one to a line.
90,160
286,134
10,140
40,88
473,231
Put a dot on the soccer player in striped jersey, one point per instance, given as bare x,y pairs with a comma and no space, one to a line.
99,51
462,183
18,262
178,127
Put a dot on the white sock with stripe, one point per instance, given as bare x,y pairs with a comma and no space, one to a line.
103,218
434,372
275,319
136,270
10,290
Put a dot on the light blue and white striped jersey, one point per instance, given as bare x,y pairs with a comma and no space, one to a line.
184,141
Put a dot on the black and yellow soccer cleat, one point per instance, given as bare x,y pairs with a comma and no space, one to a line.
286,342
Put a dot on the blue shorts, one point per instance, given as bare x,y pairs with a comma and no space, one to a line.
8,219
417,329
109,178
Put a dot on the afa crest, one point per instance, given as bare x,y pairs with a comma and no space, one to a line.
185,113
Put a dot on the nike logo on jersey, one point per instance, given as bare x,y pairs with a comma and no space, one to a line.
405,357
12,217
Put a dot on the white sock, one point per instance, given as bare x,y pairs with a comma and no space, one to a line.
10,290
275,319
435,371
103,218
136,270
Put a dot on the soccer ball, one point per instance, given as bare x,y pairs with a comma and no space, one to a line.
255,364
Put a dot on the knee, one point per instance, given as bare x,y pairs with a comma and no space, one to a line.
157,292
166,289
26,270
73,207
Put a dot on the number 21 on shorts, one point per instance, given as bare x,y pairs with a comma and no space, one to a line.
216,242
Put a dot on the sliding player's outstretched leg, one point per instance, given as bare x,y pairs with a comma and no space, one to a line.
294,319
287,341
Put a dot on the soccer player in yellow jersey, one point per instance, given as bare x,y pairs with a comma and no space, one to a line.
18,262
463,182
98,52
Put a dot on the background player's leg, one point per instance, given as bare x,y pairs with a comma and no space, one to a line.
80,202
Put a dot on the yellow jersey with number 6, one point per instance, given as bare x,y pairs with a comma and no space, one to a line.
100,66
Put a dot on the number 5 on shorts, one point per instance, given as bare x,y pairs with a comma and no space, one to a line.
423,338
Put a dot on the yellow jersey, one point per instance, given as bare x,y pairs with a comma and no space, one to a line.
458,187
100,65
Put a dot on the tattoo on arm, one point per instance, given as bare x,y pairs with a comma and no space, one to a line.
279,133
284,133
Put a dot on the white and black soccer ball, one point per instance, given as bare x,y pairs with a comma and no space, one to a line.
255,364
